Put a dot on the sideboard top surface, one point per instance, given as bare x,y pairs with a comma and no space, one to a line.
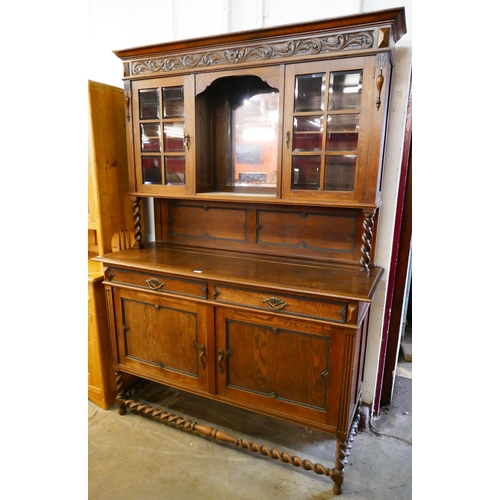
314,278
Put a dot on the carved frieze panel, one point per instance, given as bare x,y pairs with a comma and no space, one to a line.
254,52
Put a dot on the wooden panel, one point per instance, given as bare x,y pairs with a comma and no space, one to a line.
325,310
110,208
288,366
157,282
208,222
101,378
163,338
259,362
319,233
174,352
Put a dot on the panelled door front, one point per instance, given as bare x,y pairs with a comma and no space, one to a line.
164,339
288,365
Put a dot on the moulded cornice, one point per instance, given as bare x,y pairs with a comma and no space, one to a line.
362,32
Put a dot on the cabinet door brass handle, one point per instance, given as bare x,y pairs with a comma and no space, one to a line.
275,303
203,352
154,283
288,140
219,360
187,139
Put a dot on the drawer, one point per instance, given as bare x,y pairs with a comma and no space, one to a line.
293,305
158,283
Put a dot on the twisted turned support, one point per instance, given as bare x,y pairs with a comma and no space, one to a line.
342,453
343,447
120,389
170,418
366,246
137,223
122,394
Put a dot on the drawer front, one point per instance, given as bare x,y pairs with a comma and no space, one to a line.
158,283
293,305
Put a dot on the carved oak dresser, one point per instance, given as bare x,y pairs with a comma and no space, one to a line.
263,151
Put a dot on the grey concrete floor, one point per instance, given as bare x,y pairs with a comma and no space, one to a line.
135,457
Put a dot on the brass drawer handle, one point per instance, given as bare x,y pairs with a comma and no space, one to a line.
275,303
155,283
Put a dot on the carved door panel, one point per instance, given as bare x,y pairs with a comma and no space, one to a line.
287,365
164,339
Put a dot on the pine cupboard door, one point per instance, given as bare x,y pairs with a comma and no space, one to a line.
333,130
163,131
164,339
279,365
101,378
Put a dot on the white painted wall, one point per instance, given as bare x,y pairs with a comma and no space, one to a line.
119,24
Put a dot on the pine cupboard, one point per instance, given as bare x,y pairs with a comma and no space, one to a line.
109,216
263,152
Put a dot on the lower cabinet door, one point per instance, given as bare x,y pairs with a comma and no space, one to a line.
280,365
164,339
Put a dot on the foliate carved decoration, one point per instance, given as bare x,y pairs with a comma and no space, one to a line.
366,246
382,60
257,52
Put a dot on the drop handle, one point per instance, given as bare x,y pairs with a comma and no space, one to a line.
155,283
275,303
203,353
219,360
127,104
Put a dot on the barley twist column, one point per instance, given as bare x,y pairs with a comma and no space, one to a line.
366,246
137,224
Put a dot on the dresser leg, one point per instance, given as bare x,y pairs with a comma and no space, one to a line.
343,450
120,397
338,473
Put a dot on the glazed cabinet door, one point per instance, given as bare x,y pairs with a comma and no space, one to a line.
163,339
277,365
333,131
163,136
